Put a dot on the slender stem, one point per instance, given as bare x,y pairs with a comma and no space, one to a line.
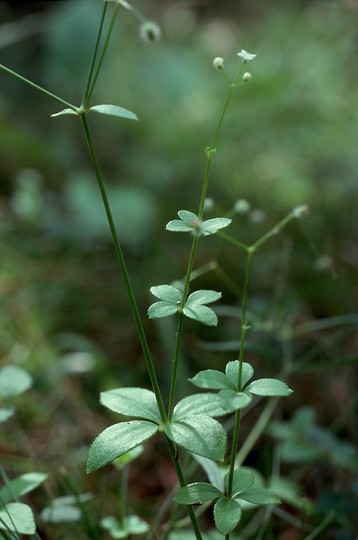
273,231
320,528
37,87
94,57
124,271
133,10
103,53
183,483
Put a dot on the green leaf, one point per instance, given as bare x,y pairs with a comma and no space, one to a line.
201,314
234,400
15,489
259,496
161,309
197,493
198,298
168,293
64,112
187,216
129,525
117,440
61,514
211,226
213,471
227,515
13,381
211,378
269,387
243,479
232,372
199,434
17,517
204,403
6,413
137,402
123,460
114,110
176,225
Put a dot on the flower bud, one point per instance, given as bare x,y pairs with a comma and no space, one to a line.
242,207
300,211
246,76
218,62
149,31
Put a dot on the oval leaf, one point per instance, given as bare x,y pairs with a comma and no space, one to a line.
64,112
211,226
114,110
168,293
117,440
201,297
232,372
13,381
259,496
204,403
201,314
197,493
211,378
20,486
269,387
227,515
138,402
199,434
161,309
243,479
17,517
234,401
178,226
187,216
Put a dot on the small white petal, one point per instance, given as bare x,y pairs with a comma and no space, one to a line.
218,62
246,55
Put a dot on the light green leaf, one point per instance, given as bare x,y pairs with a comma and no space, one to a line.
168,293
6,413
175,225
114,110
234,400
13,381
243,479
17,517
64,112
205,403
269,387
61,514
199,434
232,372
117,440
162,309
187,216
211,378
129,525
227,515
211,226
15,489
197,493
201,314
259,496
138,402
201,297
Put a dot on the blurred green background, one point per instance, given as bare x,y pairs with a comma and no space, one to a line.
289,139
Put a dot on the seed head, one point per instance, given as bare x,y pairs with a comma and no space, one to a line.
149,31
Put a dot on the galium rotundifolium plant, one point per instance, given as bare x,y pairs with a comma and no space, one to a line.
191,423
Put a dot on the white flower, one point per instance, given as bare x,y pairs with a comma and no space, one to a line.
218,62
246,76
246,56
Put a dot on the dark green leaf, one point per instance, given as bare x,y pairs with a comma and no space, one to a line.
117,440
243,479
259,496
114,110
227,515
137,402
199,434
269,387
197,493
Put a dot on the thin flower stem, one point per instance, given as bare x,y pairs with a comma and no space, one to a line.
94,57
273,231
39,88
124,271
133,10
101,58
209,152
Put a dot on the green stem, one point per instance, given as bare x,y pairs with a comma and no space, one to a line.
93,59
183,483
103,53
39,88
320,528
273,231
124,271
